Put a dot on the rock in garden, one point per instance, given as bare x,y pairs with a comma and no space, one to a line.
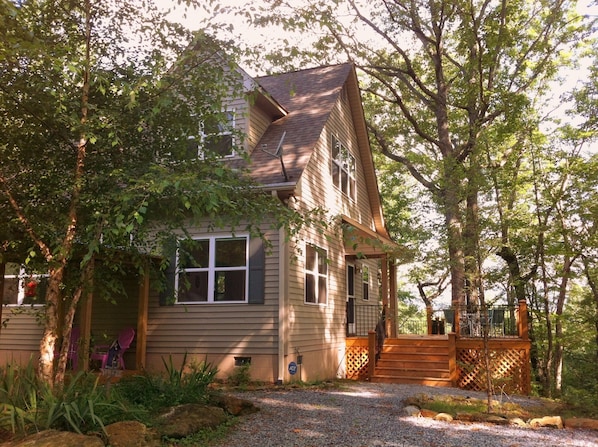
428,413
53,438
590,424
444,417
517,422
547,421
184,420
412,410
496,419
131,434
234,405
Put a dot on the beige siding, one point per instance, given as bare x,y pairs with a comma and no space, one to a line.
318,332
19,339
220,331
258,123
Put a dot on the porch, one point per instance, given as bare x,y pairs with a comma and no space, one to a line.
446,348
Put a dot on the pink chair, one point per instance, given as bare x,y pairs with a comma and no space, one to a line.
103,352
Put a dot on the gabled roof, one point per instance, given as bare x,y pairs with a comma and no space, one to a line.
309,96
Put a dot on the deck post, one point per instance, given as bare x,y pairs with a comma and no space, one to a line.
522,321
452,359
393,297
371,353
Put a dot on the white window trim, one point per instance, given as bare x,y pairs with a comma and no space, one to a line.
211,269
366,283
317,275
342,166
23,278
203,136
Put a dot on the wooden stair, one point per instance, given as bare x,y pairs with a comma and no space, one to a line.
419,360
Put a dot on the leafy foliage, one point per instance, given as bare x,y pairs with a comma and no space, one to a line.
29,404
187,383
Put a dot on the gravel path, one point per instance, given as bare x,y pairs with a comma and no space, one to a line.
370,414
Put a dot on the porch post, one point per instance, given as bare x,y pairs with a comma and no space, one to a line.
384,295
371,353
522,322
393,297
2,272
85,323
142,316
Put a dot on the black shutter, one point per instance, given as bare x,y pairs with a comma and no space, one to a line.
167,295
257,266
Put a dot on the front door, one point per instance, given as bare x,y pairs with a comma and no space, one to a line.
351,329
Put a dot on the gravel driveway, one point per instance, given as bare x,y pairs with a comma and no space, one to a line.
370,414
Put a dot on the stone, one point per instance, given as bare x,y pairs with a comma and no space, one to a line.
496,419
589,424
517,422
465,417
412,410
547,421
234,405
428,413
444,417
184,420
131,434
53,438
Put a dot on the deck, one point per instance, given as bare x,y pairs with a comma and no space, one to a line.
448,360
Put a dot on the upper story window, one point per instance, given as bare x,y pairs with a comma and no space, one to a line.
343,168
215,136
21,287
213,269
316,275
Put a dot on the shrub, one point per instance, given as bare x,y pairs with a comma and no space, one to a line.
187,384
28,404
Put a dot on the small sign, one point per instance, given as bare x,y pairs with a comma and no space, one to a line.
292,368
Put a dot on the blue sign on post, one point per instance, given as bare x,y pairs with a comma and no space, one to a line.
292,368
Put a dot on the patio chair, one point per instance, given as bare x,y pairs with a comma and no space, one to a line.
497,321
449,316
73,353
113,355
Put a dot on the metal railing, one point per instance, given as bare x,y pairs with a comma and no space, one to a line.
365,319
498,321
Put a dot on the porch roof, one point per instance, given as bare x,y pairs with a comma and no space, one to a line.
363,242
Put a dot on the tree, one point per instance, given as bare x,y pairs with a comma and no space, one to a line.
437,77
99,102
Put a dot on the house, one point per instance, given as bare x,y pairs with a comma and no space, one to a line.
285,311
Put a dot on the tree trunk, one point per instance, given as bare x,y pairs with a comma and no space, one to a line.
47,344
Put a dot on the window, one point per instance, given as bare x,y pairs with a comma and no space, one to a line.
212,270
21,287
365,275
343,168
215,135
316,275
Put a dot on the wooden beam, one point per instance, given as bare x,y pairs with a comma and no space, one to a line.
393,297
85,324
2,273
142,316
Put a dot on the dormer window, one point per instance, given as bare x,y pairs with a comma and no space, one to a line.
343,168
215,136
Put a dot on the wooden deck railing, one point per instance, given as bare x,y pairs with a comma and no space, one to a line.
509,355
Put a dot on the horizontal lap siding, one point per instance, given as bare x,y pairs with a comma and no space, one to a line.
22,332
234,329
319,332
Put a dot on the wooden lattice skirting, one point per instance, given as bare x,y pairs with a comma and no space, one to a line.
356,358
510,360
510,366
